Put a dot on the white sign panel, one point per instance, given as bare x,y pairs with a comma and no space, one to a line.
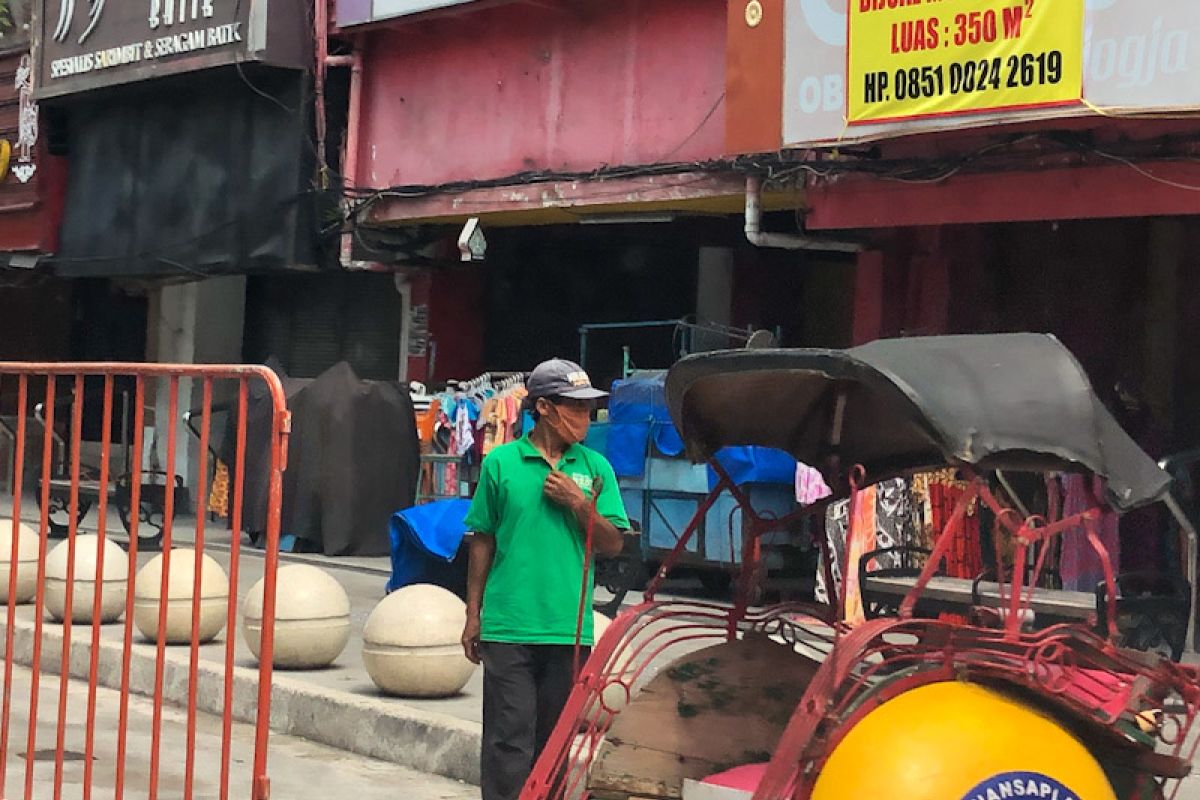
398,8
358,12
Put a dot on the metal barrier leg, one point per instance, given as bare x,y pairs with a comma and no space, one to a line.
13,572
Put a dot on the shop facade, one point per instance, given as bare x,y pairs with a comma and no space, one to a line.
181,146
589,143
1065,205
1072,218
37,310
31,191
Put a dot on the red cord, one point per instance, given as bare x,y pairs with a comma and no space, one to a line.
583,583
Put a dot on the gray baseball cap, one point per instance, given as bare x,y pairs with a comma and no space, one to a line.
561,378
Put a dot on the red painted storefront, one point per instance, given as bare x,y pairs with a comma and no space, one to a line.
493,92
458,108
1086,229
562,86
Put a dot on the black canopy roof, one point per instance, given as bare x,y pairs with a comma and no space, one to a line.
1006,401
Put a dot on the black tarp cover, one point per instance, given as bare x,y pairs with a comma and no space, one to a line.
1003,401
353,459
197,175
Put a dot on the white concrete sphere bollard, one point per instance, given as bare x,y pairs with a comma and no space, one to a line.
112,592
214,597
312,618
600,624
412,643
27,561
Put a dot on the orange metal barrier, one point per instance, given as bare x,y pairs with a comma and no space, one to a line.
66,382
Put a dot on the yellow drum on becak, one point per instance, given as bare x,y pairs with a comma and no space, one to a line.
960,741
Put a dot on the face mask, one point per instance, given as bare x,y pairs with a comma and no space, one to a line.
570,423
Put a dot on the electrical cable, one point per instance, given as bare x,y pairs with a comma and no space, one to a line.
1008,155
588,547
237,12
1146,173
698,128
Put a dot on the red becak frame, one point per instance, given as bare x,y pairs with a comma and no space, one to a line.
1076,673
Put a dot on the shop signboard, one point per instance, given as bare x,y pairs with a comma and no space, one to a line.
22,161
360,12
87,44
908,61
858,70
29,178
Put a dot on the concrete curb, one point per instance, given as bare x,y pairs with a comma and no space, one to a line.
387,730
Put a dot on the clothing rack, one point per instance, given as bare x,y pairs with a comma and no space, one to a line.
459,408
495,380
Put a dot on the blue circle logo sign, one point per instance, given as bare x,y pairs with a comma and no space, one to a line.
1020,785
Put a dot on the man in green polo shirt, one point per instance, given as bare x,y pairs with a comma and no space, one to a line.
529,520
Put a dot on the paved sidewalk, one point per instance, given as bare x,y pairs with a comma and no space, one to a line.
339,706
297,768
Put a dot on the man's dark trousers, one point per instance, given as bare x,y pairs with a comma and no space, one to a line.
525,687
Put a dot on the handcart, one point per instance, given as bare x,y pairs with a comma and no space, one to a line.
61,493
662,490
801,701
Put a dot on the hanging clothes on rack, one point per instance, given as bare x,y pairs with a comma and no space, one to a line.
862,537
924,535
886,510
463,423
935,495
465,414
490,421
1080,564
218,496
810,485
501,414
427,422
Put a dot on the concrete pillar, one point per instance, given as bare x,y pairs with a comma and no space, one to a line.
1162,319
714,295
408,330
868,297
928,307
192,323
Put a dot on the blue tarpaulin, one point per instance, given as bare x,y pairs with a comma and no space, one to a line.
755,465
425,541
638,415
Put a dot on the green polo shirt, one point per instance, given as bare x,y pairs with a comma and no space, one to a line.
532,592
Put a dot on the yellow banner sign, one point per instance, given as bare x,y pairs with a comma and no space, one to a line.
910,59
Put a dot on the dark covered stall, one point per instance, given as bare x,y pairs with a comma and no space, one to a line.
195,175
353,459
185,136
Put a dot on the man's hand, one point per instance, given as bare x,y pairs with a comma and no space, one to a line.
470,639
563,491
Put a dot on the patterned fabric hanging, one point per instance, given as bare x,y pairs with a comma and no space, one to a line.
861,539
886,511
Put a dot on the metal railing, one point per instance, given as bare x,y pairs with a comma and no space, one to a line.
134,760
